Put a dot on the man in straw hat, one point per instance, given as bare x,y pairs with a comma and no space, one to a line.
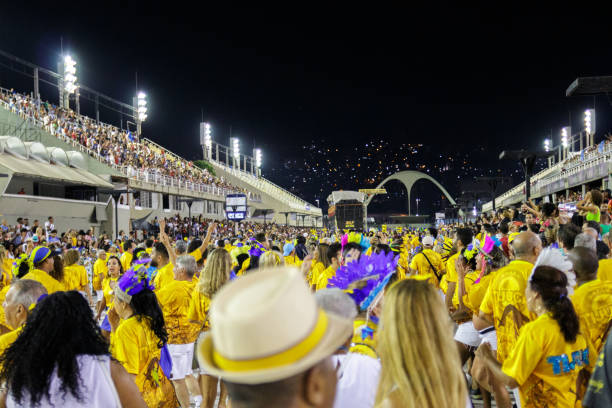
271,344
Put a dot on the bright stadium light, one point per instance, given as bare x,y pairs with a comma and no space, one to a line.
69,74
142,106
235,148
566,133
589,121
257,156
547,145
207,135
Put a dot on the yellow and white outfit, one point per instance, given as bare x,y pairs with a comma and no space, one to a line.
593,304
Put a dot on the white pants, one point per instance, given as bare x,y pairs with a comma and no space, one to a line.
182,356
467,334
489,337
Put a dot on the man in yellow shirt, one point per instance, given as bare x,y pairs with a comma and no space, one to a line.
463,239
334,253
174,299
99,273
42,260
161,259
22,294
592,298
604,272
427,262
128,254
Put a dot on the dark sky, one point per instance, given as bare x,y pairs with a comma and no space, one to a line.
280,76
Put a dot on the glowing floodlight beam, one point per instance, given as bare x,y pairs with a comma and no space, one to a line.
257,156
69,74
589,121
235,148
141,106
566,133
207,135
547,145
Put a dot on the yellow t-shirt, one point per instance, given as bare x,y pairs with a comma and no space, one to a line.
316,271
126,261
327,273
289,260
9,338
197,254
505,301
3,293
149,250
420,264
545,366
75,277
46,280
468,282
476,293
100,270
444,284
164,276
134,343
108,292
604,272
174,299
361,345
451,272
593,304
198,308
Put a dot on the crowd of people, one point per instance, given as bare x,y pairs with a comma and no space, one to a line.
515,307
116,147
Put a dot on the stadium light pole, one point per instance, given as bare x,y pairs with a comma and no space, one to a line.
68,84
206,140
589,125
257,157
566,134
140,111
527,160
235,149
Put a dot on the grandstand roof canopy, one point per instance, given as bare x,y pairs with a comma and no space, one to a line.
36,169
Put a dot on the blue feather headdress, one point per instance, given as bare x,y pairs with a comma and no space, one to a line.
257,248
374,271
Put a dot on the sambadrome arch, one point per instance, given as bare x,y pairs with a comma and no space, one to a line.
408,178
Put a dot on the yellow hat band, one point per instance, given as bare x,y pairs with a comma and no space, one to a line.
282,358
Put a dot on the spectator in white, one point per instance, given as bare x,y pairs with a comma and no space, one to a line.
49,226
586,240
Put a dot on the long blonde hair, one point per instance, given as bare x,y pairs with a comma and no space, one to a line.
271,259
216,272
420,361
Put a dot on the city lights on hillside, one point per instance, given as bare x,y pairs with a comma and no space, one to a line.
70,74
589,121
566,133
257,157
141,108
207,135
547,144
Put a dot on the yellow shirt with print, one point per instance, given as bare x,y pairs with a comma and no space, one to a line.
364,345
604,272
327,273
451,272
593,304
197,254
477,291
198,309
545,366
505,301
422,267
164,276
100,270
315,272
46,280
134,343
174,299
9,338
75,277
3,293
126,261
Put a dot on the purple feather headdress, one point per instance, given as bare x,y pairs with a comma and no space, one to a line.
256,248
374,270
134,281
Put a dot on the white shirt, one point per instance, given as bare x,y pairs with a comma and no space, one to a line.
357,382
97,387
49,227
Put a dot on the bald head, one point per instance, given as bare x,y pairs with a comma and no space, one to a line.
585,263
527,246
591,231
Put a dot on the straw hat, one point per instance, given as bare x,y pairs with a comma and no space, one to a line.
266,327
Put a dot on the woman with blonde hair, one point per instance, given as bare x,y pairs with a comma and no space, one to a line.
420,362
215,274
271,259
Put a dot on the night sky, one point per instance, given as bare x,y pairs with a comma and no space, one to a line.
463,83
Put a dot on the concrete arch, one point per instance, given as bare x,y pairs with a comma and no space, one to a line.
408,178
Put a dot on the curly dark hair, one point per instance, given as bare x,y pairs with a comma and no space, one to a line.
60,328
145,305
121,271
551,284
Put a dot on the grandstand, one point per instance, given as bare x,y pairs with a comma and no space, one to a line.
155,180
570,177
